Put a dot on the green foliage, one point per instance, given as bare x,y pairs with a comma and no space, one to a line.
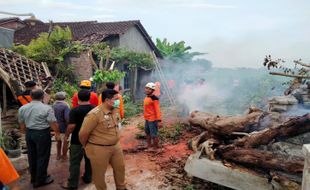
52,48
10,140
108,76
121,55
176,52
132,109
171,133
65,72
134,59
61,85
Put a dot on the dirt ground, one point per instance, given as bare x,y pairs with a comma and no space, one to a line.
144,170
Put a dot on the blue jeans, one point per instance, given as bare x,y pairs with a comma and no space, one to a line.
151,128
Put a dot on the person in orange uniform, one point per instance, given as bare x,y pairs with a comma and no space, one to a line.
119,102
24,97
152,115
85,85
8,174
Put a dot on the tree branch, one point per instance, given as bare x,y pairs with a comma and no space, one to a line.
289,75
302,64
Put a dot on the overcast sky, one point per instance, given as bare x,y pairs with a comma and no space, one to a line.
234,33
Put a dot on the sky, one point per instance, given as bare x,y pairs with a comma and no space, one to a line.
232,33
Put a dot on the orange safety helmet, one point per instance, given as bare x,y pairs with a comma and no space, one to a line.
85,83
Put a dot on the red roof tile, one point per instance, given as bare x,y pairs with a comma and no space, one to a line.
82,31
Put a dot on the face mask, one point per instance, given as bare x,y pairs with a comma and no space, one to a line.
116,104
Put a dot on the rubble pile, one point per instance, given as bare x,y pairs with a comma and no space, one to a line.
266,142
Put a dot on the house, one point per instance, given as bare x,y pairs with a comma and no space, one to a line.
128,34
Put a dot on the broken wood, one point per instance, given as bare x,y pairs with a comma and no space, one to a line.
92,61
292,127
225,125
289,75
261,159
4,98
298,62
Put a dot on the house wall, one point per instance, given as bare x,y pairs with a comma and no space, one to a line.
133,40
82,66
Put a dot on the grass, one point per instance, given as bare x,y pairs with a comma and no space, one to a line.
132,109
172,133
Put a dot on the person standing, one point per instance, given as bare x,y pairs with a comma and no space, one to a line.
119,103
152,115
62,110
36,119
24,97
77,153
85,85
99,135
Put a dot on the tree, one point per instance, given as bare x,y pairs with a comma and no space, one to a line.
176,52
300,72
52,48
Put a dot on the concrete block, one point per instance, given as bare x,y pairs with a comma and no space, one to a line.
20,163
236,177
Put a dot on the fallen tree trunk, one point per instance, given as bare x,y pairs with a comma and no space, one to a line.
227,125
292,127
261,159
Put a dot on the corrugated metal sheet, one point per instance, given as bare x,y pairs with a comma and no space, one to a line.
6,38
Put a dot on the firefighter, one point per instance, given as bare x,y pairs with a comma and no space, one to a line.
152,116
85,85
24,97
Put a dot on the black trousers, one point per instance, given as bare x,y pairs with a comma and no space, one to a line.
39,151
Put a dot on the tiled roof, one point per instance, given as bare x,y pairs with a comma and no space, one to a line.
87,31
9,19
16,69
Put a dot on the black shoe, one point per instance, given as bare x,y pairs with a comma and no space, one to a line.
32,181
86,181
48,180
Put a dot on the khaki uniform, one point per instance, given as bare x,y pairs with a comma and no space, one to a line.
103,147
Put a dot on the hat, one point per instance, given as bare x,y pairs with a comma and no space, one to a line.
30,83
85,83
60,96
150,85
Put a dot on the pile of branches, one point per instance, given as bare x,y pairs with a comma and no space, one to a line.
240,140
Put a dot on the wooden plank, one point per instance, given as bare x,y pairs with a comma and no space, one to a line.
17,73
29,69
22,67
5,103
7,61
36,71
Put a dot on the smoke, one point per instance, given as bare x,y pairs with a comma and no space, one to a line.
297,110
217,90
